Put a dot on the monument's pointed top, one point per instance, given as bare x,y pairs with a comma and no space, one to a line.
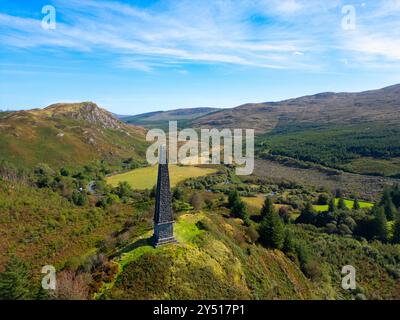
162,154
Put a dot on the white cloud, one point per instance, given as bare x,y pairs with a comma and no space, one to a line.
376,40
289,6
221,31
377,45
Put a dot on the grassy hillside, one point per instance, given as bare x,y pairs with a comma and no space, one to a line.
213,260
105,241
67,134
375,263
42,227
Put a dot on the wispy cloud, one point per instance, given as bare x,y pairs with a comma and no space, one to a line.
375,43
288,34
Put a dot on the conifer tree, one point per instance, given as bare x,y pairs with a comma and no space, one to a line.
396,195
380,224
342,204
268,207
14,281
272,231
388,205
233,197
396,232
356,204
307,215
239,210
331,205
390,211
288,244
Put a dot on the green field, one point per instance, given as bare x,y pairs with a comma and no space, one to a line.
145,178
349,204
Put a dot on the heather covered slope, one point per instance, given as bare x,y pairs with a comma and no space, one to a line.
214,259
43,227
67,134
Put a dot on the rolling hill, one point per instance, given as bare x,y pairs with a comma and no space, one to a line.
67,134
161,118
381,105
354,132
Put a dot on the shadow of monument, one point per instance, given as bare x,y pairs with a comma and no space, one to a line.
137,244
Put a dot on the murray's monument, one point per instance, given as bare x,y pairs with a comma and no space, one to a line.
163,216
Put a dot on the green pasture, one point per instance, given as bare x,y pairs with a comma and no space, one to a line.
349,204
146,178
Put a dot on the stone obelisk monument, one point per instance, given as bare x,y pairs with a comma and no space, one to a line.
163,217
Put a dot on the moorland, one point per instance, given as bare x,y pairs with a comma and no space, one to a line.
76,192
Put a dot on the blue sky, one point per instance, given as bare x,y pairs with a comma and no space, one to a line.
138,56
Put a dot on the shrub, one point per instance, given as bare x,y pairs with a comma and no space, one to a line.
323,199
123,189
196,201
64,172
177,194
284,214
252,234
79,198
308,265
72,286
344,229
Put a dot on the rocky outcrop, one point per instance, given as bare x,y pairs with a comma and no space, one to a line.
86,111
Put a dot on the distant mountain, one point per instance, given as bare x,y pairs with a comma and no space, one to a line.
355,132
67,134
161,118
381,105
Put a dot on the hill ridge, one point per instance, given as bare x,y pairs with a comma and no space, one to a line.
68,133
381,105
